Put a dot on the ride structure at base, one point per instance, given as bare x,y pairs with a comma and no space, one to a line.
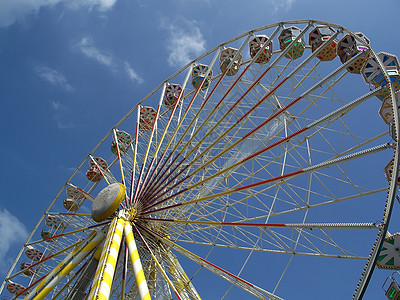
242,166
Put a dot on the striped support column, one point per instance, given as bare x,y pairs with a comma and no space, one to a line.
136,264
179,284
104,275
179,273
102,253
65,266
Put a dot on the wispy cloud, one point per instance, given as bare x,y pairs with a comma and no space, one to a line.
12,11
183,45
61,115
101,5
12,231
87,47
132,75
280,5
54,77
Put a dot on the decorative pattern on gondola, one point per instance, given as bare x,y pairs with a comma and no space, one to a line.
389,256
286,37
349,47
124,142
147,118
227,58
256,44
198,74
94,173
171,95
317,37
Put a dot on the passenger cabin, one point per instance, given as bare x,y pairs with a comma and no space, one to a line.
386,110
54,222
124,141
389,255
94,172
147,118
286,37
24,267
15,288
46,234
171,95
393,291
348,47
373,74
230,58
256,44
198,74
71,204
389,171
75,193
318,36
33,253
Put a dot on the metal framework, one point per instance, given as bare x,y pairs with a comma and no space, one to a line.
258,160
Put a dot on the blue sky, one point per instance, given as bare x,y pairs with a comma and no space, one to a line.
70,69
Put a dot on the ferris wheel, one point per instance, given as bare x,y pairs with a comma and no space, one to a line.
268,158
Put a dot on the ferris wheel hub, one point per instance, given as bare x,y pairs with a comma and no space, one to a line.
128,213
107,201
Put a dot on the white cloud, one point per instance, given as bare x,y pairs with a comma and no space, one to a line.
12,231
54,77
12,11
61,115
135,77
279,5
86,46
183,45
101,5
55,105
